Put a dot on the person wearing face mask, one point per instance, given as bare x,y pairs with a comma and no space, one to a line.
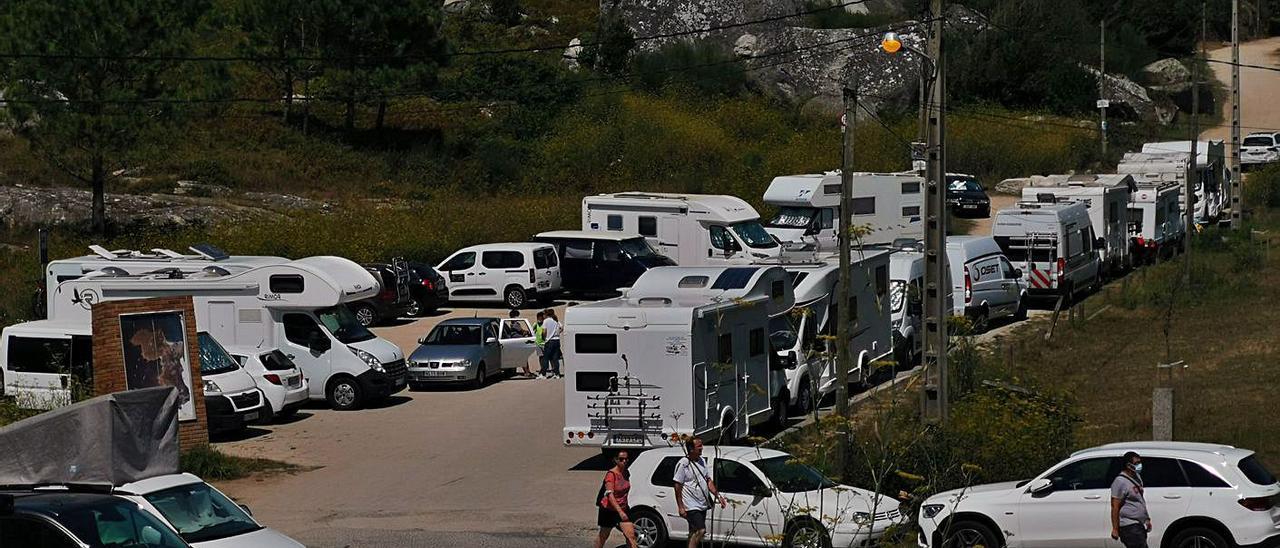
1129,520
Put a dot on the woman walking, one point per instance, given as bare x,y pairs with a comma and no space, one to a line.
613,504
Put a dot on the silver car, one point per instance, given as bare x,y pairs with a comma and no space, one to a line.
470,350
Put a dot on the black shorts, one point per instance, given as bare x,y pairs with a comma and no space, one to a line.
697,520
607,518
1134,536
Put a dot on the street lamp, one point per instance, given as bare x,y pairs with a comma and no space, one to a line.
892,44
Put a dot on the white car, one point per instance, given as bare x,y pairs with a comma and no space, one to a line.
1198,495
510,273
770,497
202,515
1260,148
282,383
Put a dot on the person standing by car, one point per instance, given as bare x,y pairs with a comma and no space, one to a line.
1130,522
613,502
538,348
551,333
693,490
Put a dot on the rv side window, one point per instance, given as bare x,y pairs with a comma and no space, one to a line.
1075,244
286,283
580,250
648,226
911,188
864,206
544,258
298,328
911,211
595,381
882,280
595,343
756,346
614,222
827,219
35,355
502,259
1087,239
725,348
1135,219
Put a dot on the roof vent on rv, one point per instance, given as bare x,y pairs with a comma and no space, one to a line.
110,271
166,273
214,272
693,282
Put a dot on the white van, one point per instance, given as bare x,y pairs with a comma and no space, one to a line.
281,381
888,204
906,312
1052,243
985,285
1107,198
232,400
691,229
1156,225
510,273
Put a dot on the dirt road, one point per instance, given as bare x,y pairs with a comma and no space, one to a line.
982,227
1259,109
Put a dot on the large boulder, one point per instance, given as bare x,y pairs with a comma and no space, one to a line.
1124,93
1167,75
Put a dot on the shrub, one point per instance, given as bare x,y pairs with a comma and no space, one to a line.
702,67
213,465
1262,188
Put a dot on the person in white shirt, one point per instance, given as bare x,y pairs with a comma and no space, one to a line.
551,334
693,490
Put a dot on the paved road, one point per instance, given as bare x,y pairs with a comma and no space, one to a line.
1259,111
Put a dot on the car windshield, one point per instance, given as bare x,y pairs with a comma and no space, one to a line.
454,334
343,325
754,235
637,248
117,522
793,217
783,332
962,184
1257,142
1255,471
213,358
790,476
897,295
200,513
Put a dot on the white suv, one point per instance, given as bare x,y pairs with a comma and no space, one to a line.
1198,495
1260,148
769,497
511,273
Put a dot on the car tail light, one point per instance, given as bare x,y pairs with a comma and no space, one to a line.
531,280
426,282
1141,241
1257,504
968,286
272,378
1062,266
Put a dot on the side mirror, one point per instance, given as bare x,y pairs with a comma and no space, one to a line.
422,340
1040,486
1017,273
317,342
491,340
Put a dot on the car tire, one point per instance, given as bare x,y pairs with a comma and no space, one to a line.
728,427
365,314
969,534
482,377
804,396
1021,313
651,532
1198,537
806,533
344,394
515,297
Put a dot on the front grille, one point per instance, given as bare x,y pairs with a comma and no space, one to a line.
246,400
891,515
395,369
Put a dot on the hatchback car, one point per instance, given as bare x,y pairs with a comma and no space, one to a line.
1259,149
770,497
204,516
470,350
510,273
281,381
427,288
65,519
1198,495
966,197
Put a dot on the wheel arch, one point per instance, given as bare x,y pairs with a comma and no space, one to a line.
1195,521
334,378
943,525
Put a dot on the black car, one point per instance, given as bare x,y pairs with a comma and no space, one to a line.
392,301
966,197
594,262
427,288
70,519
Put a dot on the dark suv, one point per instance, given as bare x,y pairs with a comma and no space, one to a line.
966,197
427,288
393,301
68,519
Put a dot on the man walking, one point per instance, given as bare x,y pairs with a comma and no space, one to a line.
551,332
693,490
1129,520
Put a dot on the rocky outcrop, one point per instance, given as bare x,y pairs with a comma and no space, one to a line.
191,204
1167,75
1125,93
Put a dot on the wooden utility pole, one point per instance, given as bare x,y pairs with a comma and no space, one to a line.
843,313
1237,188
1102,84
1193,173
934,398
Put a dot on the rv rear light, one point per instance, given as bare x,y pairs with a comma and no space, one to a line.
272,378
1257,504
581,435
591,435
1062,266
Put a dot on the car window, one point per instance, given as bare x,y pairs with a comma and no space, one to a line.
450,334
664,472
491,331
648,226
200,513
213,358
545,258
515,329
1093,473
298,328
719,237
276,360
461,261
502,259
1257,141
1199,476
734,477
19,531
609,251
1255,471
577,249
1162,472
1007,269
39,355
113,523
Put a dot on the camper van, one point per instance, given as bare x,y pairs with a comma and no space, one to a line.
1052,244
684,351
1107,197
298,306
906,314
888,204
1167,162
691,229
1156,226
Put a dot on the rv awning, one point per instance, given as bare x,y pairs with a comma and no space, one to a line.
113,439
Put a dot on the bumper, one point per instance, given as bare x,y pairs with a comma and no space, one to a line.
441,375
379,385
222,416
585,437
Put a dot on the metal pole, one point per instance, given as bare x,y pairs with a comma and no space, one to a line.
934,398
1102,84
843,329
1237,188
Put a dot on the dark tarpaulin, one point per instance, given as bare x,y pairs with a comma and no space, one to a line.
116,439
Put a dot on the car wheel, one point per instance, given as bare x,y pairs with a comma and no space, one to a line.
365,315
806,534
650,531
515,297
969,534
1021,313
415,309
1198,537
780,408
804,397
344,394
728,430
481,377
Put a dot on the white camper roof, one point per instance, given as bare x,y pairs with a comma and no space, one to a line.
1107,180
610,235
702,289
804,190
49,328
729,209
1038,217
1204,149
903,264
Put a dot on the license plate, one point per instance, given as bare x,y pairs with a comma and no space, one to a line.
428,374
628,439
970,206
544,285
251,416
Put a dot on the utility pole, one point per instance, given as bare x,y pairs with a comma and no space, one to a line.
1237,188
934,398
1102,84
843,329
1193,173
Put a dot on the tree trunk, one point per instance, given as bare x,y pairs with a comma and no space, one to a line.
99,181
382,113
351,115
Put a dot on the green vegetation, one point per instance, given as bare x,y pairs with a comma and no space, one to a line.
213,465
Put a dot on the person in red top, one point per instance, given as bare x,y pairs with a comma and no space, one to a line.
613,505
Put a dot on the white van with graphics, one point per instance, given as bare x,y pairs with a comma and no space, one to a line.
984,284
691,229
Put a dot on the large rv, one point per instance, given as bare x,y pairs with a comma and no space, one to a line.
684,351
691,229
1167,162
297,306
1107,198
1156,227
889,205
1051,243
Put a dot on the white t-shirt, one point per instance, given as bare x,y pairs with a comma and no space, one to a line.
695,479
550,329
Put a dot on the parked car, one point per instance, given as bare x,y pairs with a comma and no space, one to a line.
470,350
202,515
595,262
770,496
281,381
427,288
1198,495
57,518
232,400
510,273
966,197
984,284
393,299
1259,149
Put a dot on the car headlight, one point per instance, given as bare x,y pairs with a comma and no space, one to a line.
463,363
211,387
928,511
368,358
861,518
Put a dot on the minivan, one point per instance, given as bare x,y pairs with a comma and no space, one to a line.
984,283
1052,243
510,273
595,262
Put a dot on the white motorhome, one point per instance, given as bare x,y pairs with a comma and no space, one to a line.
298,307
1166,162
1052,244
684,351
906,294
1156,226
888,204
691,229
1107,197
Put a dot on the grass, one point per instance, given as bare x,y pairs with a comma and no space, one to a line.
213,465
